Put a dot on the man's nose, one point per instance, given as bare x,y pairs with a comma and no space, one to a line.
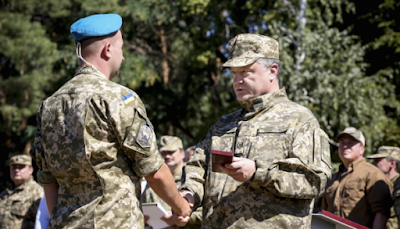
237,78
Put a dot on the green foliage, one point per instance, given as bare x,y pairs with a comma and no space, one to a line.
30,55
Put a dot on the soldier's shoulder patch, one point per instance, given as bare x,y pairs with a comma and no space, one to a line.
127,98
144,136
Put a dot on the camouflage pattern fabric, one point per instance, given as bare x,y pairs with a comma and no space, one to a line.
293,165
95,141
18,206
170,143
21,159
149,196
393,222
387,151
247,48
396,198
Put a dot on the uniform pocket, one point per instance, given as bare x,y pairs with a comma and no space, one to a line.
271,143
20,207
321,148
353,190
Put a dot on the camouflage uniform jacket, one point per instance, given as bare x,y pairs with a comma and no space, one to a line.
293,165
18,206
95,141
149,196
393,223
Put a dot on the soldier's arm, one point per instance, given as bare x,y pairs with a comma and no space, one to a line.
378,195
380,221
44,175
304,173
163,184
193,177
135,131
51,194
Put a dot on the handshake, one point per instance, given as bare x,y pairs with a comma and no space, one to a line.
181,215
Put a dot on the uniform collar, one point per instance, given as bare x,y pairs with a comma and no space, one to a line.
266,101
178,175
352,166
90,70
21,186
395,178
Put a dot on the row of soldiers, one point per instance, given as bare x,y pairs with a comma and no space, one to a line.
94,145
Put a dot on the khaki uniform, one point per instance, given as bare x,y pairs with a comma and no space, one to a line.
18,206
149,196
358,193
95,140
293,165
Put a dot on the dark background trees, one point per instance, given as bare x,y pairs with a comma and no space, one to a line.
340,58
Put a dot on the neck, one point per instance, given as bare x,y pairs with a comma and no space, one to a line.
97,65
274,87
346,164
392,173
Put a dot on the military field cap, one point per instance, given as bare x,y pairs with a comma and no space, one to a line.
96,25
247,48
357,134
387,151
21,159
170,143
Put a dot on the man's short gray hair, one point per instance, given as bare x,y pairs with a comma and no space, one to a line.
267,62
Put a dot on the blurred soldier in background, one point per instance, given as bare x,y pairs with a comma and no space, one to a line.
18,205
359,192
387,159
171,149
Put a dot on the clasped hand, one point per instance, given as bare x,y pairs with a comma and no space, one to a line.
241,169
183,218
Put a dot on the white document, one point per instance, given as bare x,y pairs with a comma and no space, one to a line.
155,211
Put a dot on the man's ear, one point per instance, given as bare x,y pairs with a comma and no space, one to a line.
106,51
30,169
273,71
183,154
393,163
362,149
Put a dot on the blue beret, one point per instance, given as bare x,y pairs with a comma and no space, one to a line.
96,25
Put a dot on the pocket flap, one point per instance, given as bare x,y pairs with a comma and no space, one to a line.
273,128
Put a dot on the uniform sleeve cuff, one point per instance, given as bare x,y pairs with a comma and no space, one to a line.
260,177
149,165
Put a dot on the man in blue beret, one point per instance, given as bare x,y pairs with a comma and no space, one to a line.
94,142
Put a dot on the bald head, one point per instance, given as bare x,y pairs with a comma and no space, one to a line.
92,46
105,53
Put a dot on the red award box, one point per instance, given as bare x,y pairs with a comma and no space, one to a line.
220,158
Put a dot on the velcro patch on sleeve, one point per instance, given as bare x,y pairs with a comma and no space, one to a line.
144,136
